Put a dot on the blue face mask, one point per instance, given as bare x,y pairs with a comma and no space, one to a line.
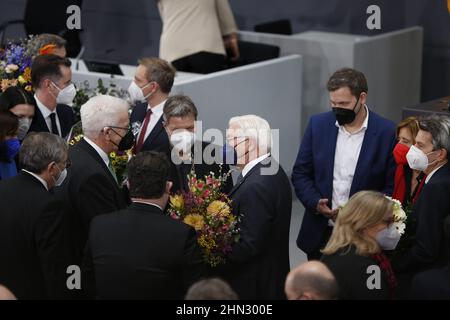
12,148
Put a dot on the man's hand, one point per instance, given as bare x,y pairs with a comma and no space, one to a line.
231,43
323,209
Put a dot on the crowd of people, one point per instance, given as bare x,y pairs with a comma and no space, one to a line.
64,206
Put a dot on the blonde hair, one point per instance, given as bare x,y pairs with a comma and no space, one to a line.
365,209
410,123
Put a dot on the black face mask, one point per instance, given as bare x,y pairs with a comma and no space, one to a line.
346,116
127,141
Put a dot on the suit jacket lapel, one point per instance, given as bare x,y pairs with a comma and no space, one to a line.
329,140
39,123
366,154
254,170
155,132
91,151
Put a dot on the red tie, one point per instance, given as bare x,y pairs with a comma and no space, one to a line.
141,138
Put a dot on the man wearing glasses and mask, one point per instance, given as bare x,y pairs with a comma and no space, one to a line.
92,187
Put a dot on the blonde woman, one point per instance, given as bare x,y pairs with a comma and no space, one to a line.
354,253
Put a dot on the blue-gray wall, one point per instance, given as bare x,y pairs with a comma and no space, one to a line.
123,30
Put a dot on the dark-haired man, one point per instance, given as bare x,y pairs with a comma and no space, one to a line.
139,252
343,151
54,91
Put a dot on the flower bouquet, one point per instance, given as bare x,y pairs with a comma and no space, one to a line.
208,210
15,65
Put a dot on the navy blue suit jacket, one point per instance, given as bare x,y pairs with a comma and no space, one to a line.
312,175
158,139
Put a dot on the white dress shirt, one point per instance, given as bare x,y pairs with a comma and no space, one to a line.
157,113
46,112
103,154
432,173
249,166
348,148
44,183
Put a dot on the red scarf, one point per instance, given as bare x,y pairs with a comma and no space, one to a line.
385,265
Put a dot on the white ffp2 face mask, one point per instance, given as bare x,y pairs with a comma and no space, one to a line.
66,95
24,126
417,159
136,93
388,238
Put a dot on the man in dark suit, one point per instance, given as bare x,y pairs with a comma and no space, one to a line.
186,152
434,284
343,151
92,188
262,198
139,252
429,155
52,81
32,262
150,89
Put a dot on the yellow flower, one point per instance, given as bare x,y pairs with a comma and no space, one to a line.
206,243
6,83
27,74
177,202
29,88
194,220
21,80
218,208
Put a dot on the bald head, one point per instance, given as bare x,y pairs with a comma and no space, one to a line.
5,294
311,280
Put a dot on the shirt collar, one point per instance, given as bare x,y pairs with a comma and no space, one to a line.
364,125
46,112
99,150
433,172
37,177
249,166
148,203
158,109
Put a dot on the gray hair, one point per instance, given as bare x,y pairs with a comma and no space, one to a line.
179,106
255,127
211,289
100,112
439,128
40,149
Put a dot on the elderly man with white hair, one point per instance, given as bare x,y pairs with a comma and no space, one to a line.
92,187
259,262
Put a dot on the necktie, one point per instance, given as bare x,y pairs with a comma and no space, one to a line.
141,138
113,172
239,179
54,127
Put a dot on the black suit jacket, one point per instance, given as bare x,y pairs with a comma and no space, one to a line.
178,172
351,273
66,120
90,190
433,284
31,263
140,253
259,262
429,212
158,139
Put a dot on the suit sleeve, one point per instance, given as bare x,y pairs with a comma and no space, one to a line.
429,231
226,19
48,235
193,267
256,214
303,173
95,198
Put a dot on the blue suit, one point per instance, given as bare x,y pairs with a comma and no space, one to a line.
312,175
